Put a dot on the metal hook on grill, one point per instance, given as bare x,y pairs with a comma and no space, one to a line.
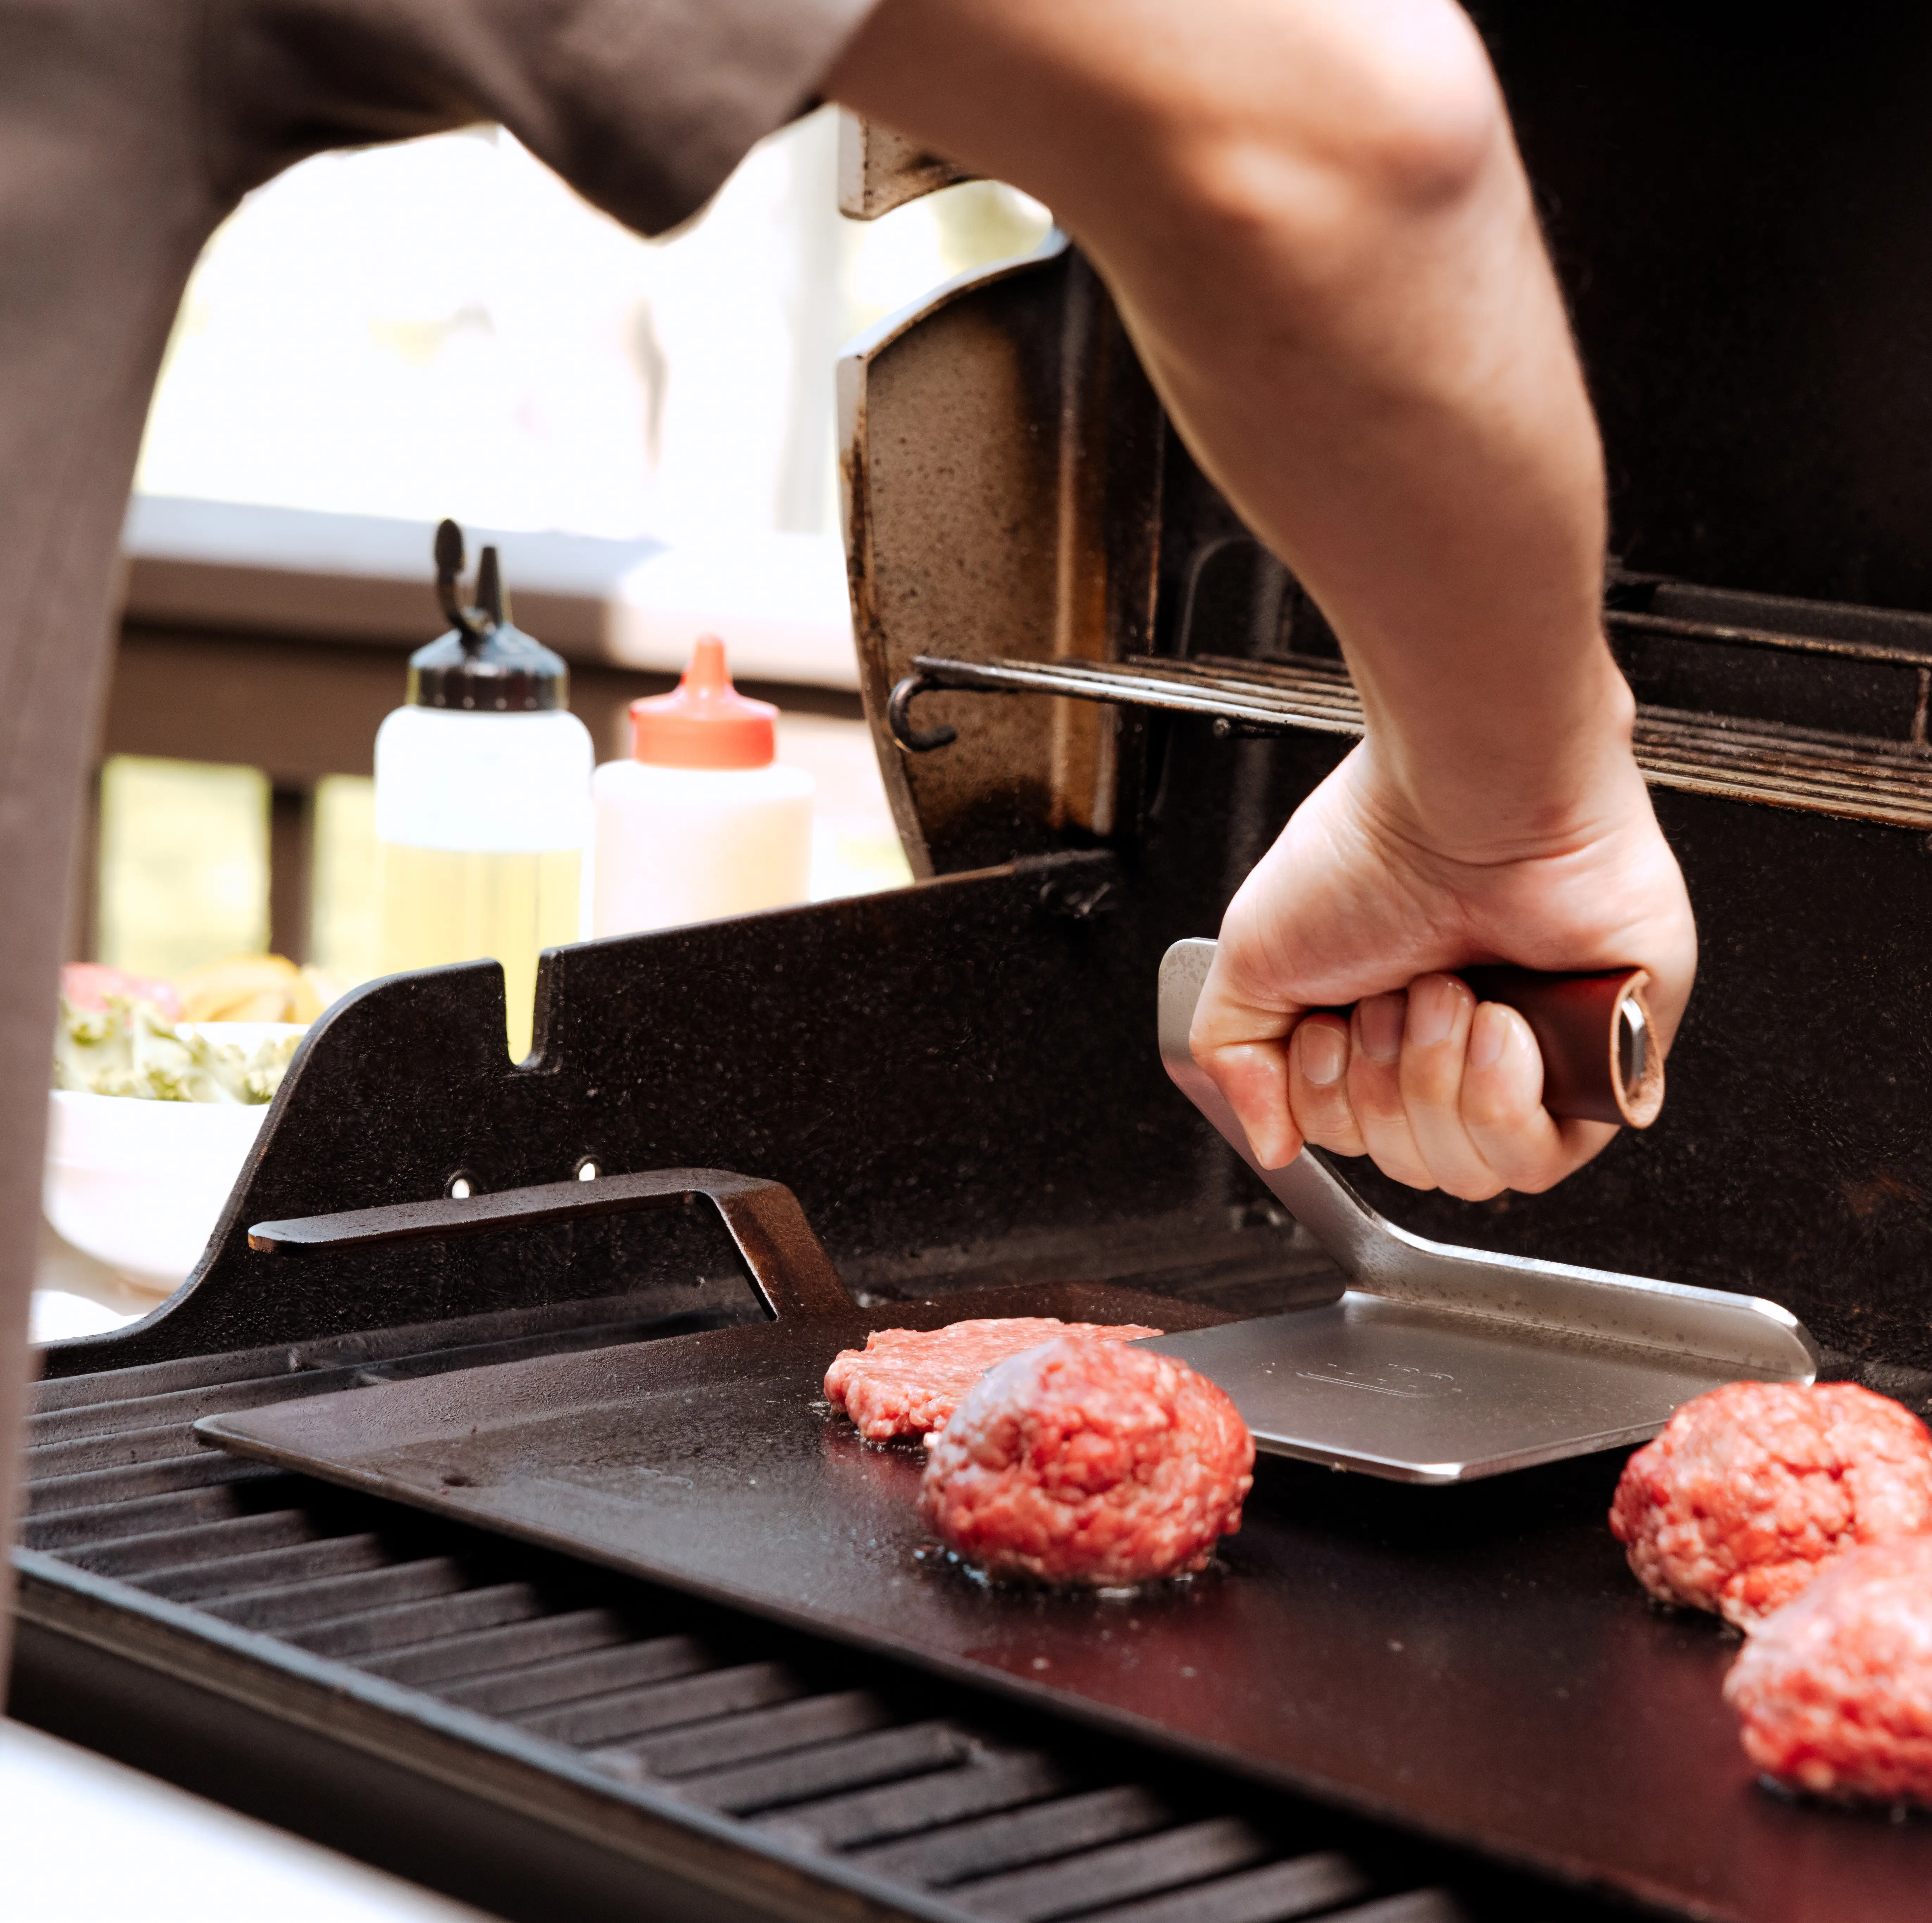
898,717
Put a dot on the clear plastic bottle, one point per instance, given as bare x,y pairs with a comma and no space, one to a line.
482,790
701,821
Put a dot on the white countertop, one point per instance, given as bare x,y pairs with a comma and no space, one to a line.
83,1838
75,1295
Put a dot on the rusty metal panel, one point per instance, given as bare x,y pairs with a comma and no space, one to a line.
879,169
1001,464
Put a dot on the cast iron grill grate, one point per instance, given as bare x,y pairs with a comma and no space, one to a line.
1857,778
947,1801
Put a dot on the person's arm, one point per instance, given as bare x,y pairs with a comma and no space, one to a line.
1312,215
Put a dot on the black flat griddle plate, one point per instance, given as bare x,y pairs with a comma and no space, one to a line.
1475,1661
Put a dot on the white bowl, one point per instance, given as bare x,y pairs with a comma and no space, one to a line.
140,1185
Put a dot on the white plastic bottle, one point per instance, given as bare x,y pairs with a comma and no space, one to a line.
702,821
482,799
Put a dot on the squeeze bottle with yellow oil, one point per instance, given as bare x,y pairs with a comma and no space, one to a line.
482,797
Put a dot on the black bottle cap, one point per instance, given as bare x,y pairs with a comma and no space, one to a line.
484,665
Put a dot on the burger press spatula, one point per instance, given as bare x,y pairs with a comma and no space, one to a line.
1440,1364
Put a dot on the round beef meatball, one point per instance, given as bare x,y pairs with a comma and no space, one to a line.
1091,1463
1752,1489
1835,1691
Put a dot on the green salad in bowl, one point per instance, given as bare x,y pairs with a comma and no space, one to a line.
153,1116
130,1046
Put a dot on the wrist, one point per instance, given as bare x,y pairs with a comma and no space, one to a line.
1549,771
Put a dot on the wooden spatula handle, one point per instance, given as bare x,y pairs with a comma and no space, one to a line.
1602,1059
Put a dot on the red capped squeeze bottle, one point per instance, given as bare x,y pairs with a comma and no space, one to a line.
702,820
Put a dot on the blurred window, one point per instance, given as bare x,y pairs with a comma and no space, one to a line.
343,940
183,863
444,327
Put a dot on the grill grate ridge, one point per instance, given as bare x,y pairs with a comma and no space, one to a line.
423,1599
546,1656
1053,1828
857,1763
1193,1853
596,1673
230,1538
987,1783
755,1734
1302,1886
72,1531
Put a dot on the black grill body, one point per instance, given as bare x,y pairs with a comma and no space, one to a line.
960,1085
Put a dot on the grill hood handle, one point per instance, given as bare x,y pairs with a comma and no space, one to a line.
788,1263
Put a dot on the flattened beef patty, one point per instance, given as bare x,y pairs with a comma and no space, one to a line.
1753,1489
1835,1691
906,1381
1087,1462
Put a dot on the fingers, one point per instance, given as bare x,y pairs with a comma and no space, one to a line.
1435,1044
1448,1093
1241,1045
1253,1075
1374,1089
1442,1092
1318,1084
1502,1107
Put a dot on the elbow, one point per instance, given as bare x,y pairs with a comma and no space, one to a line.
1424,125
1382,117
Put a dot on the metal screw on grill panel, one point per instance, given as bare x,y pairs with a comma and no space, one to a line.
1080,902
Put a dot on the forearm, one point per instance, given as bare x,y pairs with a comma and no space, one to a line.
1314,220
1312,216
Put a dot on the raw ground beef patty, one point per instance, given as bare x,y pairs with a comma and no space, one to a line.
906,1381
1086,1463
1834,1691
1753,1489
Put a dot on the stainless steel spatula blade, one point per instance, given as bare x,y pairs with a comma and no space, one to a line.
1440,1364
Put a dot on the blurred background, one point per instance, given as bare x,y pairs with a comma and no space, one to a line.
376,339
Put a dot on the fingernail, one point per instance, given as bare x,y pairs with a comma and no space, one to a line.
1382,1019
1489,1035
1431,1009
1324,1053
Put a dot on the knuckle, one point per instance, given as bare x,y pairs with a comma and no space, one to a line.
1431,1081
1337,1141
1501,1117
1323,1121
1537,1176
1418,1179
1374,1094
1489,1109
